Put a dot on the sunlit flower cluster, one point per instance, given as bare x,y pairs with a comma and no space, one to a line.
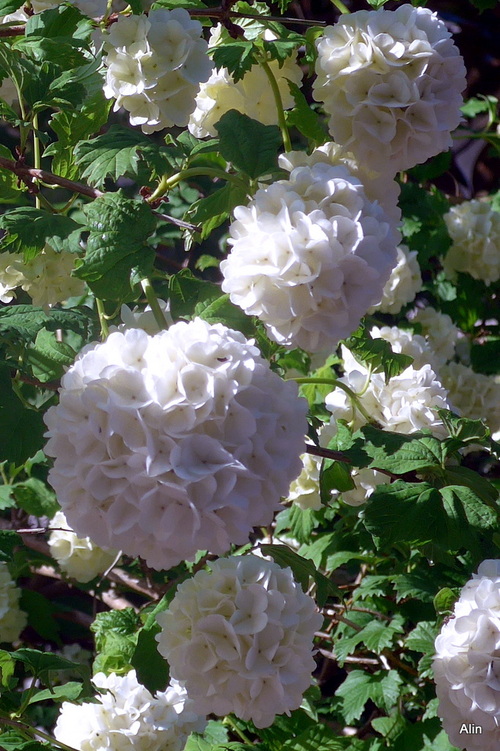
240,636
365,482
169,444
474,228
439,331
78,557
127,717
304,491
12,618
403,284
11,275
154,67
467,663
46,278
310,255
391,82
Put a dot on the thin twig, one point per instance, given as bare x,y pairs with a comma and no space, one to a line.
337,456
177,222
29,173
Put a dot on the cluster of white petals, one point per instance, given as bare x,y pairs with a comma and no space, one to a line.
47,277
403,284
310,255
473,395
12,618
240,636
169,444
304,491
154,67
467,663
439,330
251,95
91,8
391,81
136,318
11,275
405,342
365,480
127,717
474,228
405,404
78,557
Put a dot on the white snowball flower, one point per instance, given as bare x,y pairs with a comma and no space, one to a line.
169,444
474,228
251,95
143,319
91,8
240,636
310,255
365,480
403,284
77,556
404,341
439,330
474,395
304,491
127,717
11,275
391,81
48,277
467,664
154,67
12,618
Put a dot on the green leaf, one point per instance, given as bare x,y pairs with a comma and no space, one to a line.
40,611
377,353
7,500
13,741
334,476
299,521
400,453
11,189
222,310
250,146
69,692
471,479
214,209
238,57
41,663
8,541
281,49
378,635
9,6
34,497
432,168
152,669
63,21
359,687
29,229
7,666
187,291
422,638
317,737
465,430
445,600
48,357
21,429
305,119
25,321
464,507
116,640
114,154
302,570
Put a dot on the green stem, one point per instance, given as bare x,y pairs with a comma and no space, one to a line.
167,183
102,318
228,720
279,103
340,6
31,733
36,155
336,384
154,305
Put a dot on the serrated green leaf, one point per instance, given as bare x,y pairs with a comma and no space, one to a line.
305,119
113,155
423,226
29,230
14,741
445,600
238,57
317,737
152,669
34,497
11,189
420,585
464,506
399,453
281,49
116,640
250,146
214,209
389,727
7,500
222,310
471,479
422,637
300,522
69,692
378,635
9,6
25,321
48,357
187,291
40,663
8,541
377,353
465,430
7,666
334,476
359,687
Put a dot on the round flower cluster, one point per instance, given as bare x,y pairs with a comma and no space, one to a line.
467,663
403,284
46,278
404,341
310,255
155,65
365,480
127,717
304,491
240,636
439,330
474,228
391,81
91,8
169,444
251,95
473,395
77,556
405,405
143,319
11,275
12,618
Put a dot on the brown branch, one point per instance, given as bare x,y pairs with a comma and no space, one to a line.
12,31
28,174
337,456
223,13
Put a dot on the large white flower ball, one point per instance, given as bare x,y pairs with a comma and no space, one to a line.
474,228
240,636
391,82
467,664
154,67
169,444
78,557
310,255
127,717
439,331
474,395
403,284
12,618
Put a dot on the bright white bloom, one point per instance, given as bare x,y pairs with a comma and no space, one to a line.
403,284
474,395
475,232
467,663
155,65
78,557
240,636
405,405
391,81
404,341
91,8
439,330
366,480
46,278
143,319
252,95
173,443
127,717
12,619
304,491
310,255
11,275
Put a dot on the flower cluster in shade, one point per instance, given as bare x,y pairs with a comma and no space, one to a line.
251,95
127,717
154,67
391,83
474,395
240,636
46,277
474,228
77,556
467,663
310,254
304,491
439,331
169,444
12,618
403,284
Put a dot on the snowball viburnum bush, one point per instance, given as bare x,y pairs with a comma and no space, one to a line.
474,228
46,278
240,637
391,82
403,284
78,557
127,717
169,444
